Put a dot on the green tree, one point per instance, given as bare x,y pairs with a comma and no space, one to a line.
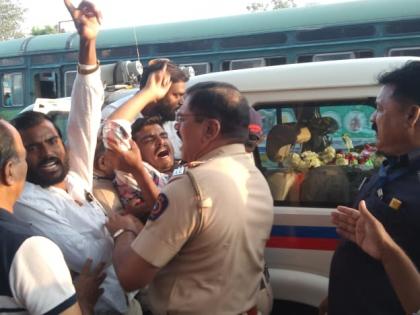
271,5
47,29
11,18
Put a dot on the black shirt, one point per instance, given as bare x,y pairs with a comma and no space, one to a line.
358,283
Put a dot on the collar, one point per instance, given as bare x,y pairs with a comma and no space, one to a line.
403,160
100,175
225,150
414,155
7,216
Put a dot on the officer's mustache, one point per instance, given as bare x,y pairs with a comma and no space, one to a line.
375,127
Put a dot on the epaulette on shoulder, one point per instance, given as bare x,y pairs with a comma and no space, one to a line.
182,169
195,164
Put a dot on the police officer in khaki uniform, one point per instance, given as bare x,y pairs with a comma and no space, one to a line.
202,247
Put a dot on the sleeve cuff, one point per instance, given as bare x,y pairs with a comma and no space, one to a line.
152,249
63,306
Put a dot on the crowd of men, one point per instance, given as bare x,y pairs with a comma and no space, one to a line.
113,222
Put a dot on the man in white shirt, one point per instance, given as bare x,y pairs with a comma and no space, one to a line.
34,276
56,199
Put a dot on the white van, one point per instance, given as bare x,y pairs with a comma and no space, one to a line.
325,110
291,98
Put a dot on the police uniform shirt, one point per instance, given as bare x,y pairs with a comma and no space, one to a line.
34,278
211,257
358,283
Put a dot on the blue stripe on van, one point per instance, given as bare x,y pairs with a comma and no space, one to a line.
304,231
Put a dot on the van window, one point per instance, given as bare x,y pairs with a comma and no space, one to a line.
12,89
317,154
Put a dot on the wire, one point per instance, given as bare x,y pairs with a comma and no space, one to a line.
137,44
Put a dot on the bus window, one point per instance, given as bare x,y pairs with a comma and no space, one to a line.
45,59
12,61
401,27
12,89
334,56
69,78
275,61
336,32
317,154
246,63
71,56
45,85
118,52
412,51
304,58
199,68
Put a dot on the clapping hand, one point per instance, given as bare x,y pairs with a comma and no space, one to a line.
361,227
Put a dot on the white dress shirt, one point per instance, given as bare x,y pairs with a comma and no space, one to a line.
70,218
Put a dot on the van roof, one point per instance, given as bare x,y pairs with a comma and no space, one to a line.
304,76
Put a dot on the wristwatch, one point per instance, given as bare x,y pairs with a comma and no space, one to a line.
121,231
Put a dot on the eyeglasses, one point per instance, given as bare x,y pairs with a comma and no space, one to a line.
179,117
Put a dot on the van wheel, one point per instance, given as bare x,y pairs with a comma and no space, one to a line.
281,307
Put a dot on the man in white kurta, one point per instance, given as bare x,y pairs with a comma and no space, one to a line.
57,199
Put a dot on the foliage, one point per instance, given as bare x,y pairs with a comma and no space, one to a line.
272,5
47,29
11,18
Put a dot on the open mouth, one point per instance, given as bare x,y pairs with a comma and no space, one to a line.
164,153
50,165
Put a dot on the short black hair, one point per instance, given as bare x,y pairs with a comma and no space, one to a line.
176,73
406,81
31,119
142,122
7,145
224,102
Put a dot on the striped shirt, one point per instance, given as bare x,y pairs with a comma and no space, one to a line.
34,277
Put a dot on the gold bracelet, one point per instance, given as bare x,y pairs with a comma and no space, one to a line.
88,71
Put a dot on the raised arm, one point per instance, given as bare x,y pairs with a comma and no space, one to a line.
369,234
156,88
87,95
86,18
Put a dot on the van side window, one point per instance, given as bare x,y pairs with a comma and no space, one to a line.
317,154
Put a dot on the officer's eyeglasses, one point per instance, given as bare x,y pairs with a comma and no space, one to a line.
179,117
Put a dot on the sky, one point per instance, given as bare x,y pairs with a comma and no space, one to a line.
120,13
